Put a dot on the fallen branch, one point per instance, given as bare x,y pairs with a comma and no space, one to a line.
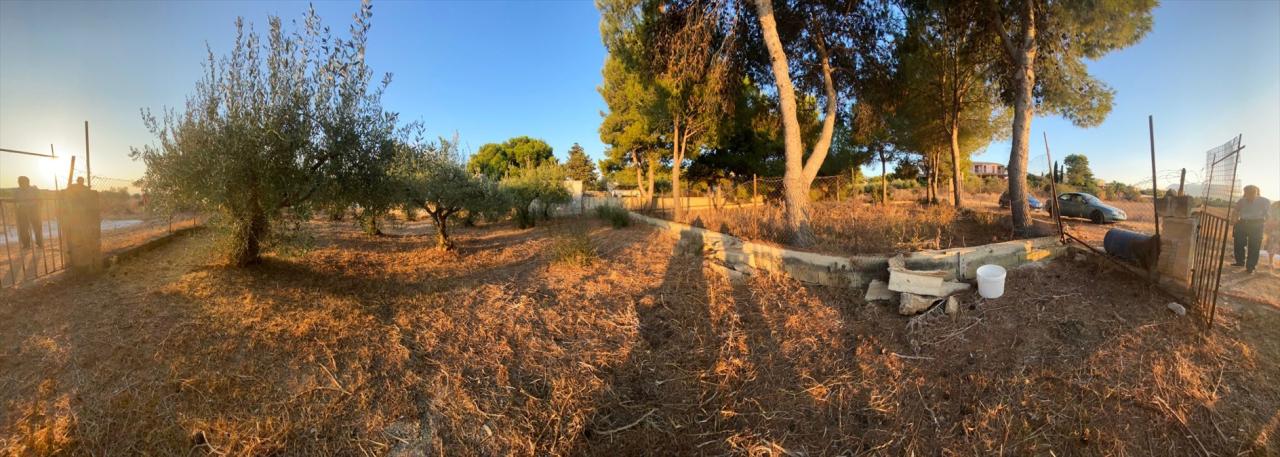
625,427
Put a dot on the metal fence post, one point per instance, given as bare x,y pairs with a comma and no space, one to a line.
8,257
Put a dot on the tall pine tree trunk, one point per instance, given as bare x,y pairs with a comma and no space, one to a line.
635,159
677,159
799,174
653,171
1022,115
1021,51
884,179
955,163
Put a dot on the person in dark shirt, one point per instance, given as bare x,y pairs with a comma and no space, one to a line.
27,198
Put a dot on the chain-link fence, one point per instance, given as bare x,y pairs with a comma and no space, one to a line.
740,191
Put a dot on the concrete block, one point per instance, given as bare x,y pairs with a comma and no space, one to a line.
80,219
878,291
911,304
1178,227
854,271
917,282
951,287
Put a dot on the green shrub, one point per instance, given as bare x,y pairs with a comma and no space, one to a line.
573,246
618,217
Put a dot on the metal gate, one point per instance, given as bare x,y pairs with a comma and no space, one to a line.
1218,199
42,252
1206,276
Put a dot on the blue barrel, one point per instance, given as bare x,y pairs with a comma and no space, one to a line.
1127,245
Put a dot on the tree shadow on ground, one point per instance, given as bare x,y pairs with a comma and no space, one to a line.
704,371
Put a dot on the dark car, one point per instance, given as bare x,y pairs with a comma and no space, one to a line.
1032,201
1080,204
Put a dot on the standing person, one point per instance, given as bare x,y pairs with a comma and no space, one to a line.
27,198
1273,236
1251,214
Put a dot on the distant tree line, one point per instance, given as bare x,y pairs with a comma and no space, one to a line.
800,88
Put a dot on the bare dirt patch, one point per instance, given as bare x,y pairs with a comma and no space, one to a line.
382,345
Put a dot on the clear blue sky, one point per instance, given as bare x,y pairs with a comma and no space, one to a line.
493,70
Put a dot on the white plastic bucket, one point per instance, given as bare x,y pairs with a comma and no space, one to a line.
991,281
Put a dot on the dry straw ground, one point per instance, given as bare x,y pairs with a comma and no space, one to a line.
383,346
857,227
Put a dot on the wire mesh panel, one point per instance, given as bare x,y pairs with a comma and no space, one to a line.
1220,164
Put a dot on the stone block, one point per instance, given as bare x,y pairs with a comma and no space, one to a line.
878,291
911,304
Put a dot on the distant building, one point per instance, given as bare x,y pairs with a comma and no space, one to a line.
990,170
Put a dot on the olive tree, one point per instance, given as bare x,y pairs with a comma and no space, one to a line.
275,128
433,177
542,184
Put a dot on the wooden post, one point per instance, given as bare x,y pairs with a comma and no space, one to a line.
71,171
853,182
838,188
88,171
1053,188
1182,180
755,187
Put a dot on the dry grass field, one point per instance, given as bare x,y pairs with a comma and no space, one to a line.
857,227
382,346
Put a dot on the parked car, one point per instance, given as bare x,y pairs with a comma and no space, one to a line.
1032,201
1080,204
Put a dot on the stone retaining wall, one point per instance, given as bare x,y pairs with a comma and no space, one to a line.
855,271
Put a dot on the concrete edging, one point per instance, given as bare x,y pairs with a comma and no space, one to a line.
115,257
854,271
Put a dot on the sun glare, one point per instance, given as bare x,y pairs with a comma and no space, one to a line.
55,168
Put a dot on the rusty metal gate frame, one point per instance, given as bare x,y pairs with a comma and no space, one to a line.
1206,276
1211,239
48,262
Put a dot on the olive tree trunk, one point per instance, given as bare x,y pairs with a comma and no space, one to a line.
247,236
441,219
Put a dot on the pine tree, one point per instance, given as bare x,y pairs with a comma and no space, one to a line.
580,167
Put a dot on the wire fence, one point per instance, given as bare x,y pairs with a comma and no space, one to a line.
738,191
